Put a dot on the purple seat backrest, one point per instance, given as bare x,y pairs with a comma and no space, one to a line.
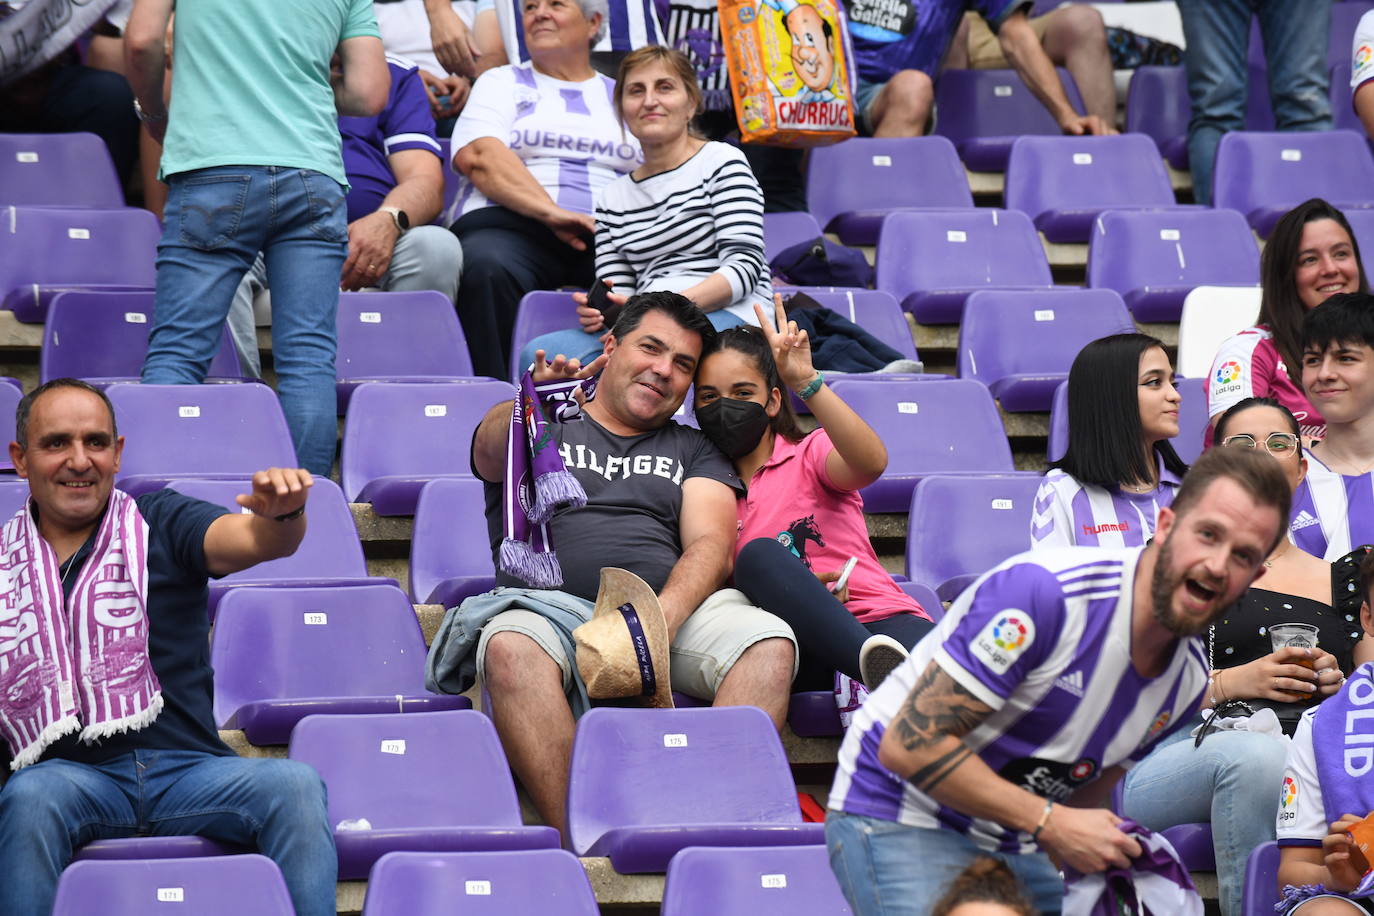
963,526
1134,249
346,641
951,249
540,312
57,170
1262,880
1157,103
994,103
200,430
412,430
77,247
1192,420
1283,169
10,393
449,538
1034,331
207,886
104,335
1362,222
531,882
748,881
783,230
873,310
930,427
625,760
1086,173
869,173
384,768
14,492
394,335
331,548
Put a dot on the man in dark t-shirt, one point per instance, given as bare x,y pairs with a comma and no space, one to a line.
126,744
660,503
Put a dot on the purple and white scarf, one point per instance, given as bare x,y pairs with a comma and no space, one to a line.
537,484
1155,883
1343,747
85,669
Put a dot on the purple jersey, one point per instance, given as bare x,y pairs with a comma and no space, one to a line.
892,35
1332,513
1068,511
405,123
1044,640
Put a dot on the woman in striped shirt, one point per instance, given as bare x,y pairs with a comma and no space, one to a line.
689,220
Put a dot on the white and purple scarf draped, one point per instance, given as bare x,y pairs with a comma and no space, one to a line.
537,484
1343,746
85,669
1156,883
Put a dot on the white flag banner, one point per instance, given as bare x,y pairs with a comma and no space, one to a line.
36,31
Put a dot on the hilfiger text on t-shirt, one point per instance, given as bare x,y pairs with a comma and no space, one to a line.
612,466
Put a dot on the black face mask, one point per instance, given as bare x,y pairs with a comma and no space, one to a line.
734,426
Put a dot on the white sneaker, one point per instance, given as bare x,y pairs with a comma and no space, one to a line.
877,657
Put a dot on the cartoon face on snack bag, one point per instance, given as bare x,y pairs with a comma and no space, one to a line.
813,47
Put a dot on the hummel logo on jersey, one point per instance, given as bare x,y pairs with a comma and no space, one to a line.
1072,682
1304,519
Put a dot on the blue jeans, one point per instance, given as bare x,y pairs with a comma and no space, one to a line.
890,869
585,346
215,223
1232,780
49,809
1217,34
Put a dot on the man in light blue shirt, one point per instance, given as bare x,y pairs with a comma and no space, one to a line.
252,162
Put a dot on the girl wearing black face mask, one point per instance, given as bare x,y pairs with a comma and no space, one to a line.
802,517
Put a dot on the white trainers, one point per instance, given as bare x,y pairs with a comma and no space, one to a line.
877,657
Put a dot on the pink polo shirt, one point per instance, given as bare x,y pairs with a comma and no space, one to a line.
792,499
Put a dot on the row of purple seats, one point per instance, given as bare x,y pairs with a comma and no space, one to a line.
1192,420
57,170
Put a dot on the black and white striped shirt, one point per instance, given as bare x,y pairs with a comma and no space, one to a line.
671,230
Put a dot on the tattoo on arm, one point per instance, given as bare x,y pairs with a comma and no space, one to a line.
934,773
938,707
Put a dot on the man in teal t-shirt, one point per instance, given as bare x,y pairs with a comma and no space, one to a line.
251,158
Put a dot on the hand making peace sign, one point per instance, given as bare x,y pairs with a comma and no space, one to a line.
791,347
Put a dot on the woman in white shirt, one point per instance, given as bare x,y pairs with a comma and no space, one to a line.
689,220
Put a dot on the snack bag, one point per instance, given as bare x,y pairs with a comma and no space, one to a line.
789,70
1362,845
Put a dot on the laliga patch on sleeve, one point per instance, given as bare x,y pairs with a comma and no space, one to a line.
1004,639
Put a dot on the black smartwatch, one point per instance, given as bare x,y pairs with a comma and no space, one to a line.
399,217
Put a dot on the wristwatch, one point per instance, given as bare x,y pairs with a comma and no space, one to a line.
399,217
143,116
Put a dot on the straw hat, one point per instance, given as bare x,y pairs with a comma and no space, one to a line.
623,650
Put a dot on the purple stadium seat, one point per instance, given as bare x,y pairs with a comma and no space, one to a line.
926,597
1063,183
1154,258
930,427
531,882
450,556
397,438
281,654
931,261
873,310
398,337
10,393
1192,842
1022,343
330,555
539,312
102,337
214,886
14,492
156,847
1264,175
45,250
850,186
783,230
1157,105
813,714
1261,880
223,432
994,515
1192,420
623,759
1362,222
57,170
751,880
385,769
983,111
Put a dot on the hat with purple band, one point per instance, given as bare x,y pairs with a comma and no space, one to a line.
623,650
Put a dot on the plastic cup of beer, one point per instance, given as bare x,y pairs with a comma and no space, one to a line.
1297,635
